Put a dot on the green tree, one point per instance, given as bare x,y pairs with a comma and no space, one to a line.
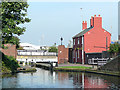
13,14
53,49
114,48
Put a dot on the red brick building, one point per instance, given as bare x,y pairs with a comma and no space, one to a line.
90,42
64,54
10,51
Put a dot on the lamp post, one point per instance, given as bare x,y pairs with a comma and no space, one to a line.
61,40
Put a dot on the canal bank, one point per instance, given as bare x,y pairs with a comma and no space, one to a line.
86,69
21,68
79,68
26,68
102,72
51,79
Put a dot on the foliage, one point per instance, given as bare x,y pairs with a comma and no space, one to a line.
4,47
14,40
114,48
53,49
20,48
4,68
9,62
13,14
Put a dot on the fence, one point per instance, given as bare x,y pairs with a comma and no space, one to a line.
35,52
98,61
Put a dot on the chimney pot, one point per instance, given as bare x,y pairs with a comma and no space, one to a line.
84,25
94,15
99,15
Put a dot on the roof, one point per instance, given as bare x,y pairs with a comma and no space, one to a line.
28,46
83,32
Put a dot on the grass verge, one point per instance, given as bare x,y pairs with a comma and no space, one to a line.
76,67
88,70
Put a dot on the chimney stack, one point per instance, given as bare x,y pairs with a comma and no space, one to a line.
91,21
97,21
84,25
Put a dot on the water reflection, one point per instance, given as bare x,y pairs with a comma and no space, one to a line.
50,79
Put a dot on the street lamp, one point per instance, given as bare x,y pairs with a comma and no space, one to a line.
61,40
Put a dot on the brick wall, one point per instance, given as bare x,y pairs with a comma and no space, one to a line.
10,51
63,54
113,65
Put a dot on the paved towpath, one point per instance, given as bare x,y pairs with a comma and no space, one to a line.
74,65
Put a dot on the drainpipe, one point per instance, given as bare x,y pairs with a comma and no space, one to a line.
83,49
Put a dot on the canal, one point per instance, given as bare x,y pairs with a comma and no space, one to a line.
50,79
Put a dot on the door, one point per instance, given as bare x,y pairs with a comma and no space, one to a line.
76,57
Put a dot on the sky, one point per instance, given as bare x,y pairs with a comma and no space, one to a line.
52,20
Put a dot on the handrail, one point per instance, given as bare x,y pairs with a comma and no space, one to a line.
38,53
113,59
98,61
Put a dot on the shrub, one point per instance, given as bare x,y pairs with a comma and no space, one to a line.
4,47
10,62
53,49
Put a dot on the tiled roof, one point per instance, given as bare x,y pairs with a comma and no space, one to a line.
83,32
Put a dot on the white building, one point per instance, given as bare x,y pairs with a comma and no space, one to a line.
35,53
28,46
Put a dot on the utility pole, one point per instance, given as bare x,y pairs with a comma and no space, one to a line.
81,13
82,40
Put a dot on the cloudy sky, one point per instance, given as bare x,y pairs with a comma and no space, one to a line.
52,20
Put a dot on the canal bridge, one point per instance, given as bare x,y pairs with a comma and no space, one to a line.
37,56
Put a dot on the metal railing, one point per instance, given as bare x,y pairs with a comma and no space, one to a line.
35,52
98,61
38,60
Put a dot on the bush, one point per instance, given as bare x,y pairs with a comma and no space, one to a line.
53,49
9,62
20,48
4,47
114,49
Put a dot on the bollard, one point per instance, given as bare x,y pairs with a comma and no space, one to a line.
56,64
51,65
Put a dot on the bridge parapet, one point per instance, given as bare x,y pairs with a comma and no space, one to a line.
35,52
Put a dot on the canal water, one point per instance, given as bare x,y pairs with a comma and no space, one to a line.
50,79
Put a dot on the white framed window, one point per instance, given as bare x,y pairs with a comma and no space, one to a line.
78,53
73,41
78,41
76,56
73,53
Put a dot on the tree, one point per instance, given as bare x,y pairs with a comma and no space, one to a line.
13,14
53,49
114,48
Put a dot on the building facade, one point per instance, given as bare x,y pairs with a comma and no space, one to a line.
64,54
90,42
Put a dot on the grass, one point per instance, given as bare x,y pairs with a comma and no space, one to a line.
85,69
76,67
